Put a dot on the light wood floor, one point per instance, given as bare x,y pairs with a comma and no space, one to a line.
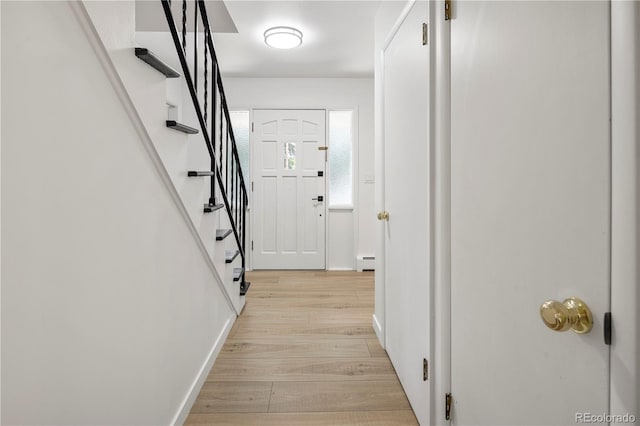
303,352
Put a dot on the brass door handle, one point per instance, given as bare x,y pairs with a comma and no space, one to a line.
383,215
571,313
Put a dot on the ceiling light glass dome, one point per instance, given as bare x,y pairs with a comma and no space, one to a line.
283,37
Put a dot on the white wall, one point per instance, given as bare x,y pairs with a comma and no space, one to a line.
110,310
350,233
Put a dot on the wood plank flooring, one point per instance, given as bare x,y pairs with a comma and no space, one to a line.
303,352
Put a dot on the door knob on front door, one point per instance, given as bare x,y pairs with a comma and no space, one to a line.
319,198
383,215
571,313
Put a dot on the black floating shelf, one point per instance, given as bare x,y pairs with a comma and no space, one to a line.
244,288
221,234
230,255
193,173
237,273
210,208
156,63
172,124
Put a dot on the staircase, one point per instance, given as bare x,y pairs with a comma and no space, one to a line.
226,188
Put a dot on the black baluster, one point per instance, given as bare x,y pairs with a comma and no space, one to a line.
226,153
195,46
237,193
206,76
221,108
244,219
184,26
214,88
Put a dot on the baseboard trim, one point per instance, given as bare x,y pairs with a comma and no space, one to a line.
340,269
194,390
378,329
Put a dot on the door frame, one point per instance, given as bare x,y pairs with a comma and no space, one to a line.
624,395
355,211
625,215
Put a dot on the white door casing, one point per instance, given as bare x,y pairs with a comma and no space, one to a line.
407,181
289,225
530,205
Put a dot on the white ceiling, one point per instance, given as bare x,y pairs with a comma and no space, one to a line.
338,39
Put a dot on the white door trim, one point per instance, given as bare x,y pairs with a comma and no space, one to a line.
625,208
441,128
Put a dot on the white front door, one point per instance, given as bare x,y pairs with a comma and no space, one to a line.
530,200
407,233
289,189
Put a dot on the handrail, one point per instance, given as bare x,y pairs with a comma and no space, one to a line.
232,189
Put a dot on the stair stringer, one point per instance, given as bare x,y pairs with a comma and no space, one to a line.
149,91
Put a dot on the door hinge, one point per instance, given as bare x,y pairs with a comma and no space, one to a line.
251,186
251,127
425,34
447,406
425,369
607,328
251,245
447,10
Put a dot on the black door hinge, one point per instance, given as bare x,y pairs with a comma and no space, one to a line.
447,10
251,245
251,127
607,328
425,369
425,34
447,406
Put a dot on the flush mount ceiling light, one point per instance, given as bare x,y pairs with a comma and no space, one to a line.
283,37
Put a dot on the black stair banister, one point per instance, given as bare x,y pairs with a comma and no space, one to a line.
227,180
172,124
156,63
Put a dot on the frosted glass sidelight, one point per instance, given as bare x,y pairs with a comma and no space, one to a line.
240,124
341,158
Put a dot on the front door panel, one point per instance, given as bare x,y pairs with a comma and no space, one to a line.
288,216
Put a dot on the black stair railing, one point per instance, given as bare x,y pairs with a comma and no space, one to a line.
213,116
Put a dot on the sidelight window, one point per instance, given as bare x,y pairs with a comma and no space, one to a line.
341,158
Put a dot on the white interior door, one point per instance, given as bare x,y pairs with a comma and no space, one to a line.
407,234
289,189
530,208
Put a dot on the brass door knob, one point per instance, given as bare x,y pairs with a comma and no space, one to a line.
383,215
571,313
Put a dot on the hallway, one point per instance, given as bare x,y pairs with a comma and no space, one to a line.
303,352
